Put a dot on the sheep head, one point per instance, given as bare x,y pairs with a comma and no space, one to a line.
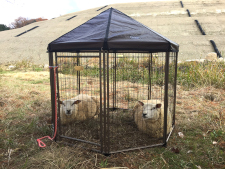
150,110
68,106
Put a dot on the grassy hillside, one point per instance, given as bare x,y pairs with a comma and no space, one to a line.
165,17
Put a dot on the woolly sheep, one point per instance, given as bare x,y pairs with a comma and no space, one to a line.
79,108
149,117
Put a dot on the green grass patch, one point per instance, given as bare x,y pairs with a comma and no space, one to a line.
37,69
189,74
194,75
37,81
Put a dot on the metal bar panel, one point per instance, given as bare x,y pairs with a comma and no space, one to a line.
80,140
77,56
170,133
73,145
137,148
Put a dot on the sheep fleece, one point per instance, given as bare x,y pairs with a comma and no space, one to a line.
153,128
87,108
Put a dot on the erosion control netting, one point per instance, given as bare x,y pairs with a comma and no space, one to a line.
200,27
131,77
181,4
27,31
71,17
189,14
102,8
216,49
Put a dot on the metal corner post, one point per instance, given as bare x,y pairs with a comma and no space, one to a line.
166,97
175,89
104,105
58,96
101,111
114,83
52,88
107,117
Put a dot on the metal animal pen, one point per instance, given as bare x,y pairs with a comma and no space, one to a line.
119,80
118,71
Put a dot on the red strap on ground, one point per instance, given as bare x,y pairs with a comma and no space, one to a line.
41,143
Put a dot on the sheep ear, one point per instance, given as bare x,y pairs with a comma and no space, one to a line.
94,98
158,105
76,102
141,103
61,102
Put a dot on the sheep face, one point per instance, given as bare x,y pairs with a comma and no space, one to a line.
150,111
149,117
68,106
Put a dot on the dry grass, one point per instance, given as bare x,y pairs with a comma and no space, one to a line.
24,116
195,75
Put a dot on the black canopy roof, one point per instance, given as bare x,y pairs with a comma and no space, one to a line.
112,30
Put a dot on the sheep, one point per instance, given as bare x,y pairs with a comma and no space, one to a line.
79,108
149,117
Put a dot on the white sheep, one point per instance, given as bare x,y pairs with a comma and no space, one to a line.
149,117
79,108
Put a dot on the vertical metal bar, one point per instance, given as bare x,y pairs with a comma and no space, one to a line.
150,78
107,132
52,88
166,96
138,71
161,71
58,94
78,75
100,80
113,70
79,82
78,64
104,115
115,79
175,89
